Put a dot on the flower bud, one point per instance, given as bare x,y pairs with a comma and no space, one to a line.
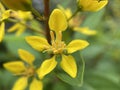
91,5
18,4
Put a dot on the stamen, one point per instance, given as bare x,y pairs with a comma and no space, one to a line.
58,36
52,37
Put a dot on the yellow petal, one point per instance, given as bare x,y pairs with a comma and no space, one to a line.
36,85
26,56
85,30
6,14
38,43
2,9
20,84
57,21
15,67
67,11
20,30
76,45
93,5
25,15
46,67
13,28
68,64
2,31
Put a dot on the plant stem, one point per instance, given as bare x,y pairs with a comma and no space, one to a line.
83,69
28,26
46,15
36,13
73,14
33,29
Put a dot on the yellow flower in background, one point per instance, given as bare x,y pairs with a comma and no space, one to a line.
74,22
91,5
18,27
25,69
18,4
4,14
23,17
57,23
85,30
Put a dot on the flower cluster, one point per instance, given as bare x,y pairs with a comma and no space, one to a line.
20,12
25,69
21,18
75,22
57,23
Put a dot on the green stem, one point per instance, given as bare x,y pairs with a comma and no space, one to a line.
83,70
28,26
74,14
35,12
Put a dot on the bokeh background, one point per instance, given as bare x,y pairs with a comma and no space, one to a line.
102,57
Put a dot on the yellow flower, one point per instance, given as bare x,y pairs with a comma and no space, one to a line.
25,69
18,4
57,23
75,22
4,14
23,17
91,5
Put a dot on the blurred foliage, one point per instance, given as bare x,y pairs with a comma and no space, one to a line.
102,57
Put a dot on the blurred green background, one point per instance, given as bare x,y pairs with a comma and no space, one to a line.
102,57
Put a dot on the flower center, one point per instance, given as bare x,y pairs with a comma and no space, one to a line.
30,71
58,46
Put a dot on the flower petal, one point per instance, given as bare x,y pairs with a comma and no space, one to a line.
76,45
57,21
2,31
36,85
6,14
37,43
46,67
20,84
26,56
67,11
68,64
93,5
15,67
13,28
19,28
85,30
2,9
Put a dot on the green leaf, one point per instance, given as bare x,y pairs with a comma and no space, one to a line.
13,43
102,82
78,81
60,86
7,80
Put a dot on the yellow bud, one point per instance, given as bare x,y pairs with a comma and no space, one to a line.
91,5
18,4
